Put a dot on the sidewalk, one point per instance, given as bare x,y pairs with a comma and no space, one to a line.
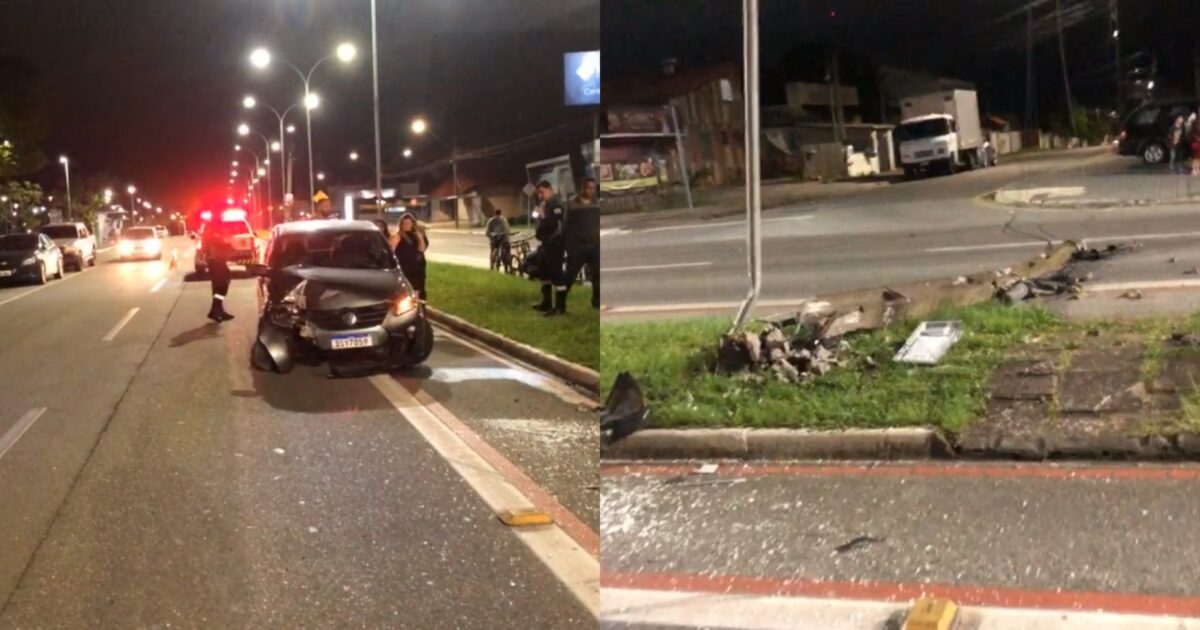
1082,188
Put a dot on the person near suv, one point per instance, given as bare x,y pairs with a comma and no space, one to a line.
76,242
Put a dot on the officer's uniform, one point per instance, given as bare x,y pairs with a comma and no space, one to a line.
217,249
581,236
550,234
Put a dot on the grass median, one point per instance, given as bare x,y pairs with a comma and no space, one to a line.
501,303
670,359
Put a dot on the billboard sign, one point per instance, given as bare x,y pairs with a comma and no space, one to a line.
581,77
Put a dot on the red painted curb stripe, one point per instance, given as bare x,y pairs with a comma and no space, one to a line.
993,471
542,500
1006,597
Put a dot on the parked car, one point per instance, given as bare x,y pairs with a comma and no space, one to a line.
139,243
161,231
1144,132
77,242
332,291
233,226
29,257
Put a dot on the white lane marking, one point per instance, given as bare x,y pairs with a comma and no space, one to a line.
1096,239
649,267
548,383
158,285
697,226
574,566
121,324
701,306
14,433
44,286
760,612
1191,283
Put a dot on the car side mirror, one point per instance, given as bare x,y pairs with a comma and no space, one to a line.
258,269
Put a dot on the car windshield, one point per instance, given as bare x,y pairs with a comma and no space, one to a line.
18,242
61,231
139,234
923,129
339,249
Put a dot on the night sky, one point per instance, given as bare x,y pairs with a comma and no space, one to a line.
977,40
149,91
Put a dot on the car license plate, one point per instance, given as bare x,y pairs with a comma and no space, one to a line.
346,342
6,273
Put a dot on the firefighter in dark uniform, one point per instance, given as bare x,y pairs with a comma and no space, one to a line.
217,249
550,234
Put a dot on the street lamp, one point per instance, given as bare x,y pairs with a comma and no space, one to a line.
321,177
354,156
420,127
244,130
67,169
249,102
261,58
131,190
407,152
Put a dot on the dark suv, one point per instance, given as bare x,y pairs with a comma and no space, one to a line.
1144,133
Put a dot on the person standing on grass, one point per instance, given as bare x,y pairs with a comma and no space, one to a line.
553,252
410,253
498,233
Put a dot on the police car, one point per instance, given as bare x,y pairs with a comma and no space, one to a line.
232,225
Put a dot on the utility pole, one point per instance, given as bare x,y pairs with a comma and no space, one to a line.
1062,51
1114,13
1030,84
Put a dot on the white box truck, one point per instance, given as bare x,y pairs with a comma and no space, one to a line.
941,132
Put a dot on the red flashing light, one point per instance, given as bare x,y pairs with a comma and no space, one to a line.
206,216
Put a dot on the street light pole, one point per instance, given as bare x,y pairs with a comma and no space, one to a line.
753,163
67,169
375,80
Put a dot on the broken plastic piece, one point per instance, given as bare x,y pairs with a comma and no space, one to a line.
930,342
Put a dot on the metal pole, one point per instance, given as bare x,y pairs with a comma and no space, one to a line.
375,79
454,176
267,147
67,168
312,188
753,163
683,169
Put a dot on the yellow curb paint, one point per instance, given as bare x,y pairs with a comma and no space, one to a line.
524,518
932,614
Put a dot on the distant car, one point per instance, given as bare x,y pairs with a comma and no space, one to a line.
29,257
333,290
161,231
233,226
78,244
1144,132
139,243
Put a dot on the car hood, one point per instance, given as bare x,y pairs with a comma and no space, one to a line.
325,288
13,257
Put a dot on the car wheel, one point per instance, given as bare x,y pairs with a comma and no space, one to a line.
60,273
1154,153
91,262
42,279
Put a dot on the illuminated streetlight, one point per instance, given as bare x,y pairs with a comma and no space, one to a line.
235,163
62,159
312,101
276,147
407,152
419,126
249,102
260,58
243,129
346,52
354,156
320,177
291,128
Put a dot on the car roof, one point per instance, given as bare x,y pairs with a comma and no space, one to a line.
300,227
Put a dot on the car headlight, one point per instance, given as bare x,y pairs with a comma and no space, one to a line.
125,247
32,260
153,246
403,305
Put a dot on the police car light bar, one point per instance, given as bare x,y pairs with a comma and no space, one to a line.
234,214
206,216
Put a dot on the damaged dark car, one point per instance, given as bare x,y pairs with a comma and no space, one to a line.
331,291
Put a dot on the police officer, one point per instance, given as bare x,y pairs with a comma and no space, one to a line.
216,248
550,234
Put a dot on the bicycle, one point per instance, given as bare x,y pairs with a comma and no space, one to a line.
500,254
519,250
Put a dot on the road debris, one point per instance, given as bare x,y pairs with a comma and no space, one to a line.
1132,294
1185,339
792,348
930,342
706,469
858,542
625,410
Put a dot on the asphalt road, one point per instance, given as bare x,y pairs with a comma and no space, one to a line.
461,247
743,545
909,231
150,478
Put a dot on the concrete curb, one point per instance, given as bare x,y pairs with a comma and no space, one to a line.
780,444
1086,204
574,373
